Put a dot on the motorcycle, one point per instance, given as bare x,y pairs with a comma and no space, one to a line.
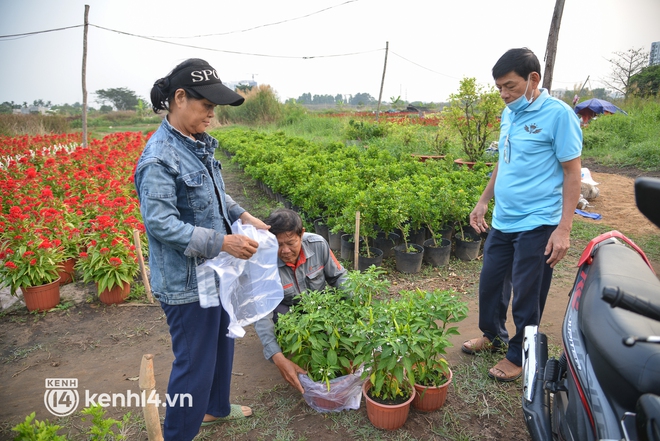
606,383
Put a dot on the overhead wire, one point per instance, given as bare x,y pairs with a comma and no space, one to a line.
423,67
160,40
233,52
260,26
27,34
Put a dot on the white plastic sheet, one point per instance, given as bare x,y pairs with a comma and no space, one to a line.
344,394
249,289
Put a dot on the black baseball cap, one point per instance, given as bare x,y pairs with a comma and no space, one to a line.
205,81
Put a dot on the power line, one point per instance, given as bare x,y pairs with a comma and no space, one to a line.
260,26
26,34
232,52
423,67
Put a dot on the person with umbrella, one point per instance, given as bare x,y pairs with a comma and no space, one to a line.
590,108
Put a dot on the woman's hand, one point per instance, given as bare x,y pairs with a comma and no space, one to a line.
247,218
239,246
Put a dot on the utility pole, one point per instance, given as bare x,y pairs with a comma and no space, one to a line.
551,48
380,95
84,78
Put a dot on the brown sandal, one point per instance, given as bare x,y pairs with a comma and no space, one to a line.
479,344
505,371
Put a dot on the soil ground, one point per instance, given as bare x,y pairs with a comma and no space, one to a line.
102,347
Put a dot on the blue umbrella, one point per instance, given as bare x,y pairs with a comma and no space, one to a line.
598,106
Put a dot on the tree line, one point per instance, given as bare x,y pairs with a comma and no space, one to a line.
359,99
631,75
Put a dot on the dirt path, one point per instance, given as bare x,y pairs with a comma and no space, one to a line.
102,348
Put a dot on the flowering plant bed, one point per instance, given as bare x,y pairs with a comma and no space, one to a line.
58,198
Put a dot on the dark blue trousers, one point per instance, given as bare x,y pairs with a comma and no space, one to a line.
518,260
203,358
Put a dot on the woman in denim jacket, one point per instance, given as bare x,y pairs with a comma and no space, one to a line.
187,216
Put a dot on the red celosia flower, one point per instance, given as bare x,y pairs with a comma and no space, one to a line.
104,250
33,262
115,261
28,254
10,265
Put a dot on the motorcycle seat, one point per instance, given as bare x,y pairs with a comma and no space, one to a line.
625,373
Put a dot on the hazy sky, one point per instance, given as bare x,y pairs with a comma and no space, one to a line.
433,43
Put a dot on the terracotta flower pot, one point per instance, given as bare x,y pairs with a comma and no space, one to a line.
429,398
66,271
42,297
386,416
118,294
469,164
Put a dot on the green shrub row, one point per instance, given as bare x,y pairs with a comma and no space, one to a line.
333,181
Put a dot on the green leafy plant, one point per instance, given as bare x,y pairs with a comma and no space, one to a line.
35,430
431,313
102,428
317,333
363,130
404,340
473,112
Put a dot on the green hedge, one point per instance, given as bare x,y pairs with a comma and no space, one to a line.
333,181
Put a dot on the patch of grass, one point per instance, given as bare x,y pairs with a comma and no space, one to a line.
20,353
583,232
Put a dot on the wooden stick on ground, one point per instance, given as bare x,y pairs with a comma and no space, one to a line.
356,240
147,384
143,269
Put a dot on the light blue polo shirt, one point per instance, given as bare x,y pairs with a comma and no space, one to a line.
528,189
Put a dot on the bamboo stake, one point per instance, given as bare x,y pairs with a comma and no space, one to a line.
356,241
143,269
147,384
84,78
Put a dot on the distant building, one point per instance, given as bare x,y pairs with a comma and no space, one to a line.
32,109
234,84
558,93
654,58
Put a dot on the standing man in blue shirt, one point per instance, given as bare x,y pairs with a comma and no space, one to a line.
536,186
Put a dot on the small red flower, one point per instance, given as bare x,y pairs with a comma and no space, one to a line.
11,265
115,261
104,250
33,262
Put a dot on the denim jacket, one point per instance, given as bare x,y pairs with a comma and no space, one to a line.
185,210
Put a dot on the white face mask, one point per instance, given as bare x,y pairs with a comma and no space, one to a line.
521,103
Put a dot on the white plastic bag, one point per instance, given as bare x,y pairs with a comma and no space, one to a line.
249,289
345,392
588,186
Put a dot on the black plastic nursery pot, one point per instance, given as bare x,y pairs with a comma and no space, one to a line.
468,249
347,248
417,236
376,258
334,240
437,254
406,262
321,228
387,243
